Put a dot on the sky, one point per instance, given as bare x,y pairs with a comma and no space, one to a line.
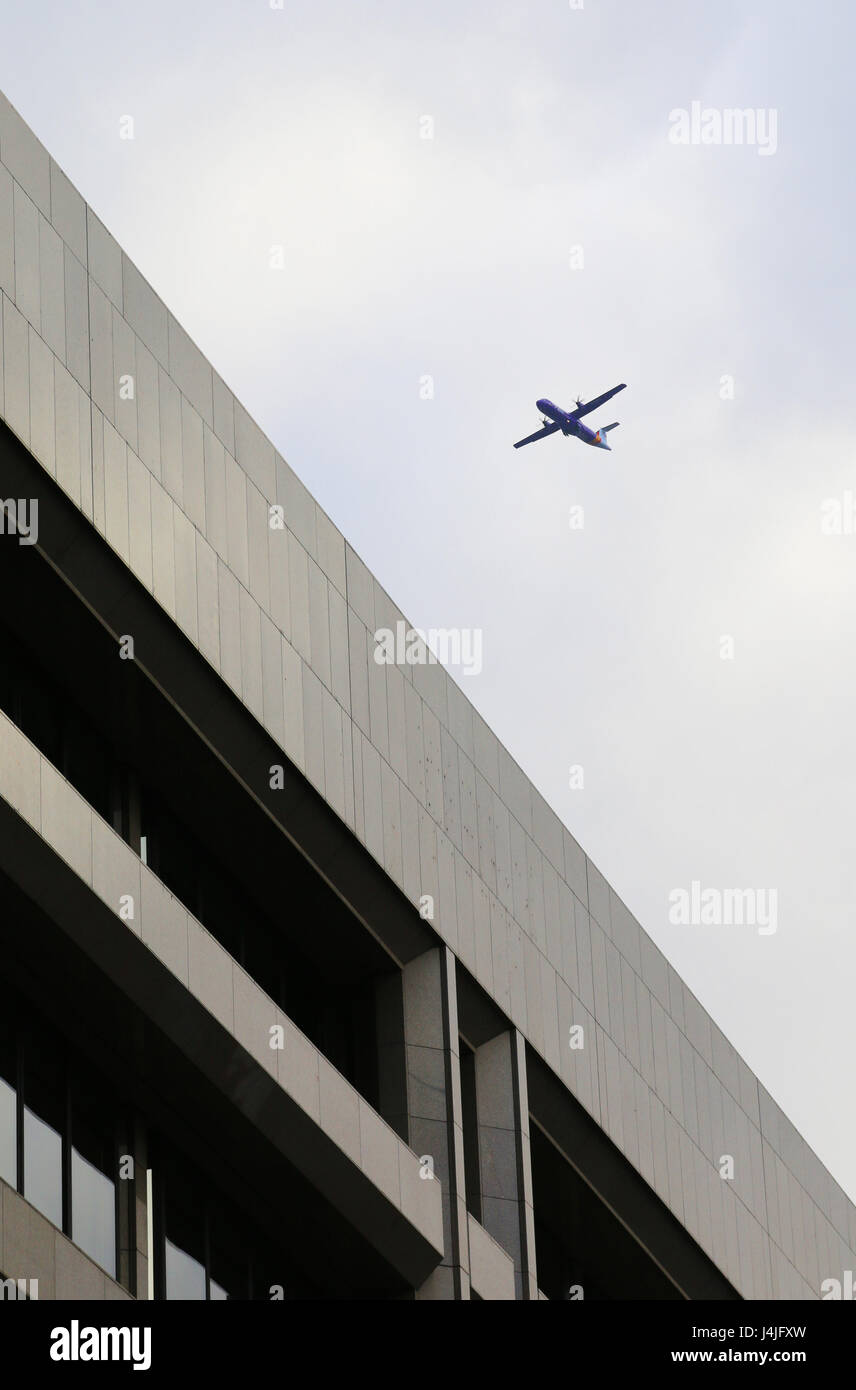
490,195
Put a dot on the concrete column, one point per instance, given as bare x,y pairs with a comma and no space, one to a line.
434,1117
505,1164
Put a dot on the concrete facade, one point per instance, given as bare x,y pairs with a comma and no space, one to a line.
178,483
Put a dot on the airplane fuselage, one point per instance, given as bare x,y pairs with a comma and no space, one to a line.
570,427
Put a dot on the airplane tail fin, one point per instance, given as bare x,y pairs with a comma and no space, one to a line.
600,437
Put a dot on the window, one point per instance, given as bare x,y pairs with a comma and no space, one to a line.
58,1133
207,1250
44,1107
8,1107
94,1162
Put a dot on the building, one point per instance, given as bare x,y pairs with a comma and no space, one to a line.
305,992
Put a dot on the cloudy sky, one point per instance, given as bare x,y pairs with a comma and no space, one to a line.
450,257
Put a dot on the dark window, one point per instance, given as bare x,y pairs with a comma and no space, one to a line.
93,1188
44,1122
8,1106
58,1133
469,1106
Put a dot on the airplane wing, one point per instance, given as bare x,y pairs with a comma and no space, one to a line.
598,400
539,434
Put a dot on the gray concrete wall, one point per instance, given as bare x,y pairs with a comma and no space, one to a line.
31,1248
179,481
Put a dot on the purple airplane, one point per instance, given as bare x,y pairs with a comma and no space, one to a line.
569,421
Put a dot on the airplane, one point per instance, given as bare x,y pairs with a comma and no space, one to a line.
569,421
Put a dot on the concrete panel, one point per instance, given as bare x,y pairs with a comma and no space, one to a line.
251,654
208,605
164,925
210,974
377,692
340,1110
186,597
68,442
68,212
116,874
485,751
116,491
379,1147
615,1013
27,278
482,935
461,720
139,519
256,1020
499,930
66,821
52,288
517,977
224,414
214,462
273,685
105,260
331,550
598,896
313,736
491,1268
547,831
191,372
257,546
255,454
292,670
319,624
42,418
76,318
29,1243
25,156
163,548
236,521
20,773
360,585
169,408
629,1125
7,234
568,965
148,409
411,872
358,670
334,753
98,469
391,814
536,924
698,1026
145,312
412,720
101,351
654,970
300,507
451,784
689,1113
297,1068
433,763
583,932
230,627
469,813
339,668
193,466
298,580
658,1144
515,789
